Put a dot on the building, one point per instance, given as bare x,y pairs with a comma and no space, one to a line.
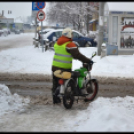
6,20
119,26
18,23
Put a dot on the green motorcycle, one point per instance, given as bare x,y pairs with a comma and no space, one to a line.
80,80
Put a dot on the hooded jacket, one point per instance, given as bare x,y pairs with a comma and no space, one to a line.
73,50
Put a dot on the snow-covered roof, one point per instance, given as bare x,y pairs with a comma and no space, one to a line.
9,16
18,20
121,6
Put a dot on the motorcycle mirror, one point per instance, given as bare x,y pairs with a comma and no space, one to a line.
94,53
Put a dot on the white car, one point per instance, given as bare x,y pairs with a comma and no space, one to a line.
42,32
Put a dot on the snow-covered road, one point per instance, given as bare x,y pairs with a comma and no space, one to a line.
15,41
103,115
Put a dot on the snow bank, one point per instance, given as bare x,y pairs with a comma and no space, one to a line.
9,102
105,115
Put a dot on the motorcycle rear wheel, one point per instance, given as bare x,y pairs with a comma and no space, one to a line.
68,97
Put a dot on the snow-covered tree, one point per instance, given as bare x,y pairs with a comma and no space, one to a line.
73,13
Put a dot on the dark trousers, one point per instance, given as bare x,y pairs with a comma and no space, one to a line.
55,83
55,79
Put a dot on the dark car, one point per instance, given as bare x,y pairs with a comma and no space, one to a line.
1,32
22,31
80,39
83,41
17,31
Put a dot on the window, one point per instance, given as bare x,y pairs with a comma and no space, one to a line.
127,33
114,30
75,35
58,34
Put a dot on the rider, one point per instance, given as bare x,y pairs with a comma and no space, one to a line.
65,51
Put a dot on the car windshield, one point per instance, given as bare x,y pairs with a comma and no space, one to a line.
44,32
76,32
81,34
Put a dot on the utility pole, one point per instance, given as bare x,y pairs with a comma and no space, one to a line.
35,26
100,34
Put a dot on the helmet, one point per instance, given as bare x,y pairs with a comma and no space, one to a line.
67,32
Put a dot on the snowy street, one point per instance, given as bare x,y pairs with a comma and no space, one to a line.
24,63
7,42
41,117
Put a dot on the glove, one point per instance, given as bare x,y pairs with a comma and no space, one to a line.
91,62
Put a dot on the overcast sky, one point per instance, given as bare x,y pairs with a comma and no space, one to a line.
19,8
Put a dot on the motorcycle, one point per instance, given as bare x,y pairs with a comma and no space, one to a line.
72,83
45,43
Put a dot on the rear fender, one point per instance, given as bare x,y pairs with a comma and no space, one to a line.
67,81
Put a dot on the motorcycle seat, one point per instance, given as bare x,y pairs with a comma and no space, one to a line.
62,74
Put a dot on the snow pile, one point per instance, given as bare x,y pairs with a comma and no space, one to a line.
32,60
105,115
9,102
92,34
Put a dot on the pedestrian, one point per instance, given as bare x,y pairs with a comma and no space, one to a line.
65,50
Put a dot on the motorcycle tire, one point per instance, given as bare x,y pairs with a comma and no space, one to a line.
93,95
68,97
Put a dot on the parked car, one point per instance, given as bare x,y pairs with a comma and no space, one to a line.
6,30
22,30
1,32
78,38
17,31
41,32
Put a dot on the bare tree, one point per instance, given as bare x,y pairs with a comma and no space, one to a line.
73,13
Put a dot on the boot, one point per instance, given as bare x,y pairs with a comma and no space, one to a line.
56,99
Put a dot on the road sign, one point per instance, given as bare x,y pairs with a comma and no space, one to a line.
34,6
41,15
13,25
41,5
57,25
35,9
